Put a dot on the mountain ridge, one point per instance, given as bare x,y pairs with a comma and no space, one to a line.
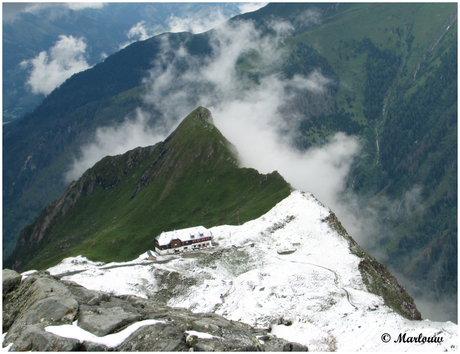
154,181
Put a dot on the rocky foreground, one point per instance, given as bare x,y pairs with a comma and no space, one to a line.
39,304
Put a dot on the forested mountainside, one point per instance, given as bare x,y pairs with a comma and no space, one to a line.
386,73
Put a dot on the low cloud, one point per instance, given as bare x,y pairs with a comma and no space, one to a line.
114,140
370,221
308,17
248,113
197,23
251,127
140,32
49,69
85,5
12,10
250,6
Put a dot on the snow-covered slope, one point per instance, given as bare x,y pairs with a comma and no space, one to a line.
288,270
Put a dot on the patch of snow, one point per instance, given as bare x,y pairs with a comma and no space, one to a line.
110,340
74,264
8,347
24,275
136,280
200,334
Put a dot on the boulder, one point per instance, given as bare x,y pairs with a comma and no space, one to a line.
102,321
93,347
10,279
39,299
34,338
271,343
86,296
161,337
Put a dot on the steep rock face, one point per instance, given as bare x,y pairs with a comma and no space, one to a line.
377,277
30,328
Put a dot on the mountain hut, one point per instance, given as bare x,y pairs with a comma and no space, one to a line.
184,240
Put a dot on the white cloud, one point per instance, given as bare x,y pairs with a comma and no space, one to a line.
309,17
282,28
194,23
197,23
85,5
49,69
114,140
248,113
250,6
140,32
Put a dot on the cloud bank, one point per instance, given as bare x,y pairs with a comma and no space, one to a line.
140,32
247,112
197,23
250,6
49,69
194,23
12,10
115,140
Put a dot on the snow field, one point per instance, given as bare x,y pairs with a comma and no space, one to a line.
287,270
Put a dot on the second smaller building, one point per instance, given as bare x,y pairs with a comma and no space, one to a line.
190,239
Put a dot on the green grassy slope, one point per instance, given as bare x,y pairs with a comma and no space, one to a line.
125,201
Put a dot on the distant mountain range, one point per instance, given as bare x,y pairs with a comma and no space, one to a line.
385,74
33,29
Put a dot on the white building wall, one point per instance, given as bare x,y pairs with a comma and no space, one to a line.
186,248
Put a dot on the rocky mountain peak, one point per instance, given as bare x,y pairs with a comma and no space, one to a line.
204,114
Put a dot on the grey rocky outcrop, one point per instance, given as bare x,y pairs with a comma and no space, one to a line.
34,338
38,300
42,300
10,279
